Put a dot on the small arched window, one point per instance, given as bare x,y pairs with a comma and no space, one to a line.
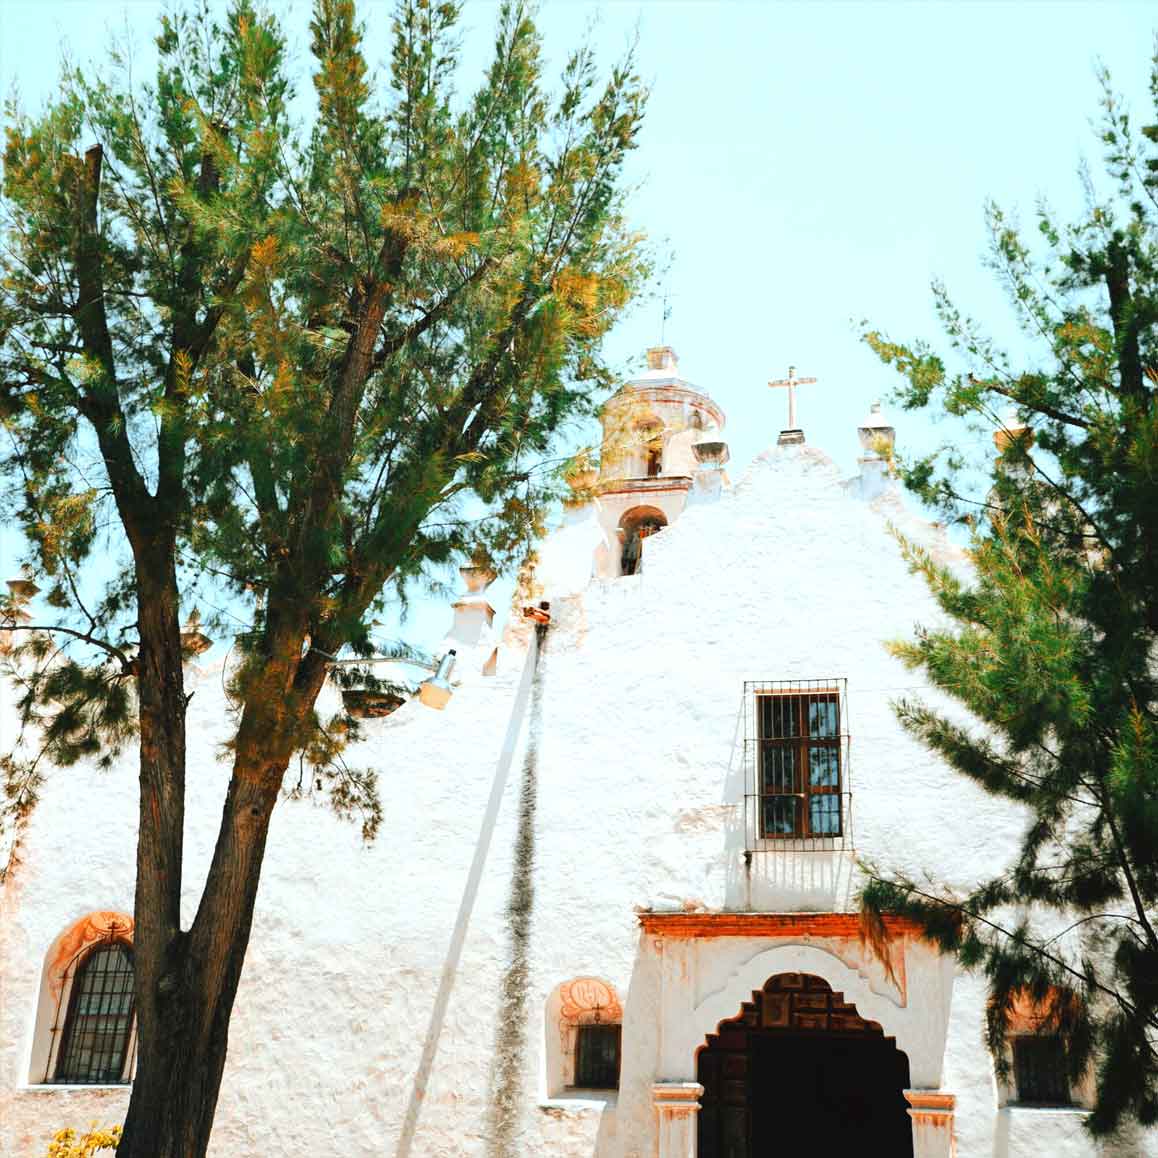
1038,1031
647,447
654,458
98,1027
584,1053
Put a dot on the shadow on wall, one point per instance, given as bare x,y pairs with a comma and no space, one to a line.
1017,1136
629,1129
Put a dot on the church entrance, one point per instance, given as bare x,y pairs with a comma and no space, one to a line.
799,1071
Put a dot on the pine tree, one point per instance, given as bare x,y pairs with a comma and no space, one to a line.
1051,643
293,365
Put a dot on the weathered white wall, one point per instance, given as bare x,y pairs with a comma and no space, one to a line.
639,802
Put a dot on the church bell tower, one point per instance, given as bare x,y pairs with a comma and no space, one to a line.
662,448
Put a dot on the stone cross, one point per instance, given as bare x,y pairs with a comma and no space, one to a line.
791,382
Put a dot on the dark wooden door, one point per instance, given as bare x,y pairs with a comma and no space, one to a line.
820,1095
799,1072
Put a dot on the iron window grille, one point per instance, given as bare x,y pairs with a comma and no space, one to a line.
1040,1070
97,1040
597,1057
796,765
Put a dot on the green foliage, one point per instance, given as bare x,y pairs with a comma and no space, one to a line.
1053,639
303,365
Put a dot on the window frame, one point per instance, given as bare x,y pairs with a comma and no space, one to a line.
801,743
1022,1040
583,1029
64,1029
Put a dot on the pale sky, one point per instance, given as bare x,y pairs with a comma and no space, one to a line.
808,165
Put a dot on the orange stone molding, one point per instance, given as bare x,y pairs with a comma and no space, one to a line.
932,1102
677,1098
704,925
932,1114
676,1104
88,931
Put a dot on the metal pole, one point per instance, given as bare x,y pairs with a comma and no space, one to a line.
466,905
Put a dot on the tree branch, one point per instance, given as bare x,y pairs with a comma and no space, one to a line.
85,637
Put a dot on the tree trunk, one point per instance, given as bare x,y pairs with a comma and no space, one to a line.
187,981
180,1063
160,838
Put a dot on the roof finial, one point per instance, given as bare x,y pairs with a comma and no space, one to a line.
791,433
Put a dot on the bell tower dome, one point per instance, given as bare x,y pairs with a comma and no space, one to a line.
649,465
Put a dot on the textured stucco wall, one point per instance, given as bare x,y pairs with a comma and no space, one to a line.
638,798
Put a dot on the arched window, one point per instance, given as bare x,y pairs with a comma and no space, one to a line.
85,1030
94,1044
647,449
654,457
584,1030
1037,1060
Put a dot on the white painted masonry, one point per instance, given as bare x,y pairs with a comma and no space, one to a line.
788,575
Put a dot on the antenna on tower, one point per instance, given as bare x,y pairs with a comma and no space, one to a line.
665,313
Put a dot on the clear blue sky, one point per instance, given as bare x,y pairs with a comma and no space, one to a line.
807,164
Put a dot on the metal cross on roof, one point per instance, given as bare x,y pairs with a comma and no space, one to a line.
791,382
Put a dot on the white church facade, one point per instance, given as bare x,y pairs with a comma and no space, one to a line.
610,912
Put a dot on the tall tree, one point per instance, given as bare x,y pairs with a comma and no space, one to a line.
1052,642
295,362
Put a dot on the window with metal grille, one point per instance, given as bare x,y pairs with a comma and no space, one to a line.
799,748
1040,1070
597,1057
95,1041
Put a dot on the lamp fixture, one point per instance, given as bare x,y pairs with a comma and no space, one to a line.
436,691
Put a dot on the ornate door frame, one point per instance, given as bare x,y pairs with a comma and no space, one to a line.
909,998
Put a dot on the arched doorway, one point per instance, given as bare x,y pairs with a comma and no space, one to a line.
635,526
799,1071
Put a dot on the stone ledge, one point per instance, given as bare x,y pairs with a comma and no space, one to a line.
673,1097
1016,1109
74,1088
930,1101
645,484
580,1102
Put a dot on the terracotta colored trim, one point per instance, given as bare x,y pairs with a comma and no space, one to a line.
703,925
931,1101
80,937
